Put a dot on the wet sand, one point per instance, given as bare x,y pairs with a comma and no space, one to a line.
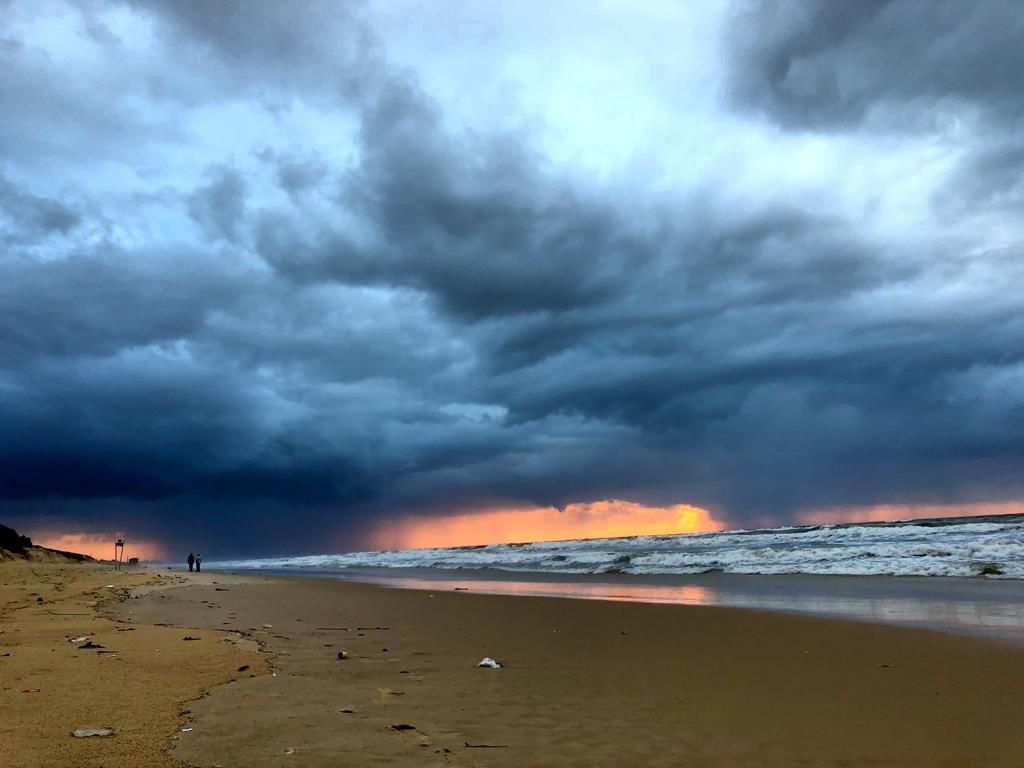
585,683
976,606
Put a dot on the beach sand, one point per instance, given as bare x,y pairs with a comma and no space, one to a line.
136,683
585,683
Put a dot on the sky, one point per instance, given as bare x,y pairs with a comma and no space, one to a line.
307,276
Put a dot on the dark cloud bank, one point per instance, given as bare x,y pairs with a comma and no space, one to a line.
291,344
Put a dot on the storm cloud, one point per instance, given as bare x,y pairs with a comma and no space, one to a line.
271,271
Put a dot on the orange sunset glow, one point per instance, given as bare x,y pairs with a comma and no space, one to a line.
883,512
596,519
100,545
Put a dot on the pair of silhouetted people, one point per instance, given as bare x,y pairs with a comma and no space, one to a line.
195,560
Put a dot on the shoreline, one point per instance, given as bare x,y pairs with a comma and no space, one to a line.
585,682
964,605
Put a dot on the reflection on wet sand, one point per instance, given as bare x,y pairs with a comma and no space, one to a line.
959,605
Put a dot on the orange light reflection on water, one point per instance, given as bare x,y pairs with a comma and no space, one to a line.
687,594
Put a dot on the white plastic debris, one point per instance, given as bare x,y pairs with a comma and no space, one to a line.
186,730
81,639
487,661
82,733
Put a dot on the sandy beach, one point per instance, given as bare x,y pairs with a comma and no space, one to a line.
584,683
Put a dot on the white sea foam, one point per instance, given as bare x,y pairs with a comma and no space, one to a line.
961,547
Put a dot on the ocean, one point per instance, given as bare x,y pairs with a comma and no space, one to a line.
973,546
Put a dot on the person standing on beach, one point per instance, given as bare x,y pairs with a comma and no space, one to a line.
199,562
191,560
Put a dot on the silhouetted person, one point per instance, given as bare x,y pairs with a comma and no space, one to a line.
191,561
199,562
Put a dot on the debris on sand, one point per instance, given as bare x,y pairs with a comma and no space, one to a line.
342,655
81,639
82,733
189,637
89,644
403,727
490,663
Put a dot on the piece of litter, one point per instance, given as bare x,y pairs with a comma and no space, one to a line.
81,639
30,690
342,655
243,668
347,711
485,746
487,661
268,626
290,751
90,644
189,637
186,730
82,733
110,586
403,727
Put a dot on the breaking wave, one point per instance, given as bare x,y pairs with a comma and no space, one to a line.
992,546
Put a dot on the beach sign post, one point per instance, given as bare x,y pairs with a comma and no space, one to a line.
118,551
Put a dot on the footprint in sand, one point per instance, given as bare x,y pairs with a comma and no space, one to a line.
411,732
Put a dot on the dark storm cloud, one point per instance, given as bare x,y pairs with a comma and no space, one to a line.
273,342
27,216
822,64
100,301
471,221
896,67
988,179
218,207
319,47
